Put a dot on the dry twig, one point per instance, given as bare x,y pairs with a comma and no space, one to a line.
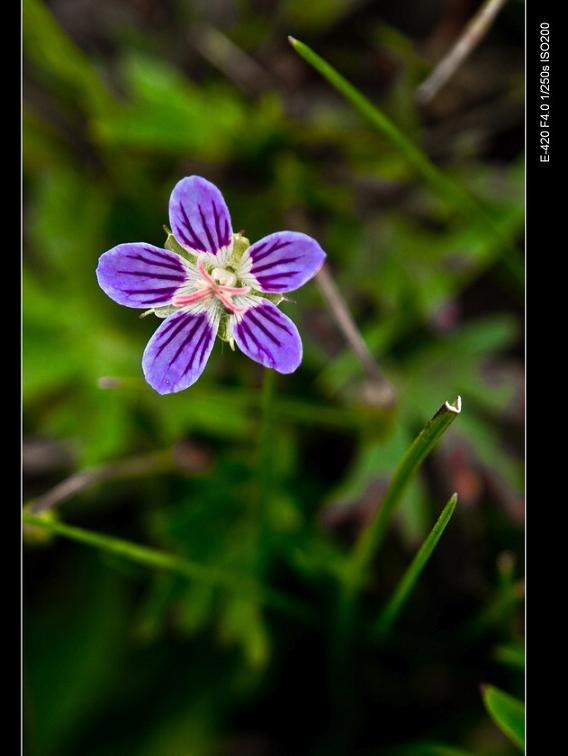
166,460
383,393
472,35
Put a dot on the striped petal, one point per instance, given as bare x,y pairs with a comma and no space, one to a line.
178,351
140,275
267,336
199,216
284,261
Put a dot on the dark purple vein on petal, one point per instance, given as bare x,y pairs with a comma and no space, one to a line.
242,335
274,248
264,329
198,244
188,338
206,229
154,276
269,315
171,330
199,344
259,248
269,265
220,242
163,256
158,290
259,346
154,300
170,265
206,343
283,274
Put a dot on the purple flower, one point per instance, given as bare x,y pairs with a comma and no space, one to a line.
210,282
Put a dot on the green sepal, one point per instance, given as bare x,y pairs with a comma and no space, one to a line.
173,245
240,246
276,299
165,311
223,332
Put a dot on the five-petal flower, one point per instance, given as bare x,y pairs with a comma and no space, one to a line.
214,283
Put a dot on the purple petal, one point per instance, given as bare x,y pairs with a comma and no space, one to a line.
176,354
284,261
199,216
267,336
140,275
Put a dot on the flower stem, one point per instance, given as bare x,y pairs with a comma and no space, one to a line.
159,560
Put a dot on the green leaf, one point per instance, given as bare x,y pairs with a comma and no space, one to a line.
166,114
507,712
406,585
172,244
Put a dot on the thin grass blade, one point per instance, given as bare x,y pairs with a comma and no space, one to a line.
370,541
406,585
452,192
156,559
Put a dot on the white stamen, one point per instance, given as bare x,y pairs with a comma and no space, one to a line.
224,277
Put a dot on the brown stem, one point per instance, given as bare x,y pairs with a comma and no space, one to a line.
471,36
165,460
231,60
383,392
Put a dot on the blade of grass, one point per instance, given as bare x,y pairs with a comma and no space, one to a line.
507,712
156,559
447,188
370,541
442,185
406,584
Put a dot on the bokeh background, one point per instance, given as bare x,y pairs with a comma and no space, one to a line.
121,99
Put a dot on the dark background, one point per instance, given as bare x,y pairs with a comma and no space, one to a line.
121,99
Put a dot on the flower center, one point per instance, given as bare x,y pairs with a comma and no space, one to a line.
224,277
220,283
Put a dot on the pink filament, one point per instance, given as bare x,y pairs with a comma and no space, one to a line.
201,268
214,289
228,304
185,299
234,289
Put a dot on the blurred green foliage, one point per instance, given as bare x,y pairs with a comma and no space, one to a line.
123,99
